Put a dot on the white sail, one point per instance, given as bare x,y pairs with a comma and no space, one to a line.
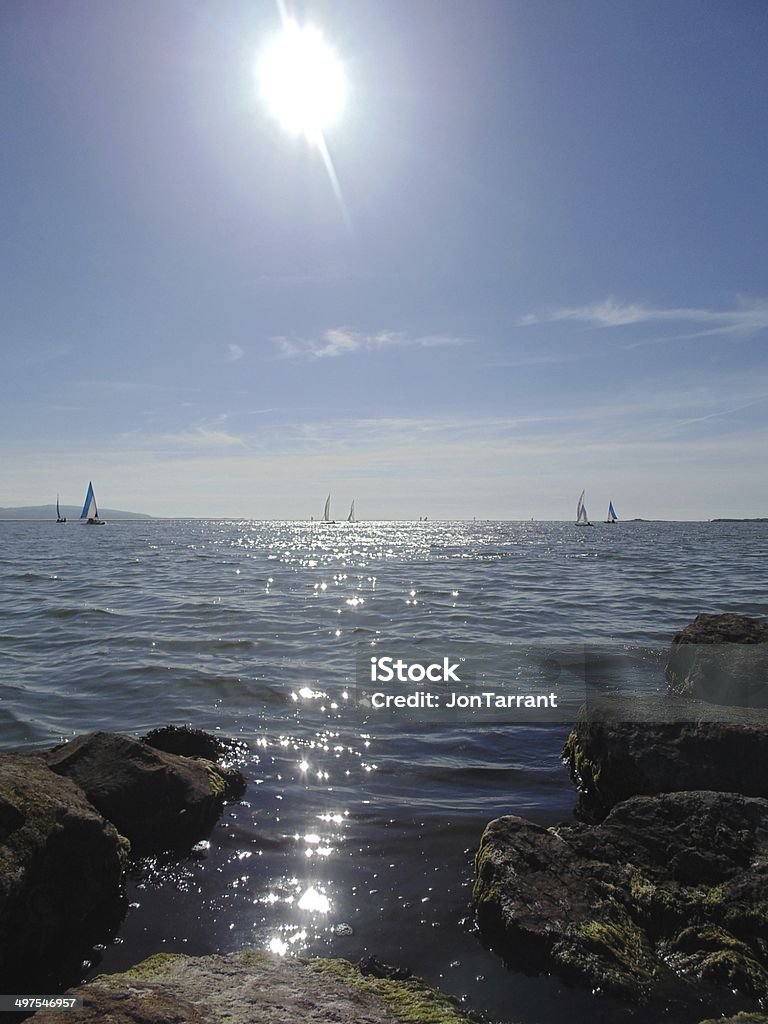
351,516
581,511
327,510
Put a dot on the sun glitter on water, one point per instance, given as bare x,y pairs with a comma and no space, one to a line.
301,81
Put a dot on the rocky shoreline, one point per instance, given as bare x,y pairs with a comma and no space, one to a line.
256,987
655,895
658,895
70,817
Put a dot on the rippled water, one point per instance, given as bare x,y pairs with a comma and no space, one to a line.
356,834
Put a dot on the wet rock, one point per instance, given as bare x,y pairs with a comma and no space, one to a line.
186,741
627,747
155,798
371,966
255,986
667,898
61,871
722,659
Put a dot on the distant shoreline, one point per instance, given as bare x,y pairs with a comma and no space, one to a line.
12,515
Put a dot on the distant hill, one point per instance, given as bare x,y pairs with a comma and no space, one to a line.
70,511
754,519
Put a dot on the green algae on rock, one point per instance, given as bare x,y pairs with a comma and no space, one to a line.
409,1000
254,985
668,897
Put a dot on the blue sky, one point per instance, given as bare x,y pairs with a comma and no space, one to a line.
547,271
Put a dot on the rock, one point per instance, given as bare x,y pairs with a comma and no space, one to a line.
184,740
189,742
667,898
61,872
250,986
371,966
722,659
740,1018
155,798
627,747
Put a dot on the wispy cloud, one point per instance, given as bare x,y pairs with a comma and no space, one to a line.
340,341
749,316
234,353
200,437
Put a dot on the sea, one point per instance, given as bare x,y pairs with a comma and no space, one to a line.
357,832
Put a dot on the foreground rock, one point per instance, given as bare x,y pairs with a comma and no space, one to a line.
627,747
722,659
61,869
67,820
667,898
253,986
155,798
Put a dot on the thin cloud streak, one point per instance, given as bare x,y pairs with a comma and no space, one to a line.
751,315
340,341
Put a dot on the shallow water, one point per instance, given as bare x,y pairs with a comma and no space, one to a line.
357,831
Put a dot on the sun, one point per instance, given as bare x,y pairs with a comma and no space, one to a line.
302,82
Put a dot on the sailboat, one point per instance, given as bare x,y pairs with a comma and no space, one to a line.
90,513
582,519
59,517
612,517
327,511
351,516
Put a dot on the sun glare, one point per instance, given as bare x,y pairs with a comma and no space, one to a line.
302,81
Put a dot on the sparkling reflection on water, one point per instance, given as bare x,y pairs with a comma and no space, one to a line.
357,833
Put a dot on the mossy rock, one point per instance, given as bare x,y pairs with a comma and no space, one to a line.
254,985
667,897
409,1000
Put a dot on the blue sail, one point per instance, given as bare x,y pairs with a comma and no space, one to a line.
612,513
90,503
